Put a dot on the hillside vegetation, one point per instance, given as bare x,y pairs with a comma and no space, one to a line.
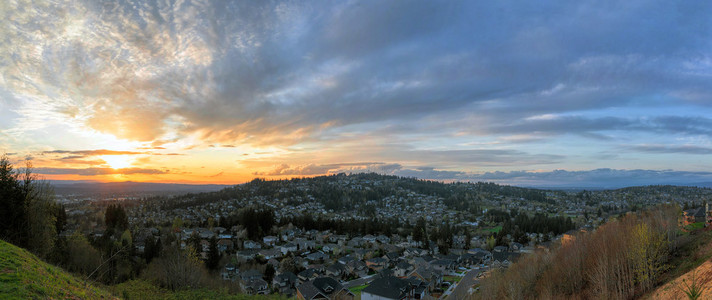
24,276
620,260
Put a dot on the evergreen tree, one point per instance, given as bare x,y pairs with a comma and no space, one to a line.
213,255
269,273
13,210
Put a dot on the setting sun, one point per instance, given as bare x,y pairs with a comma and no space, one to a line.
117,161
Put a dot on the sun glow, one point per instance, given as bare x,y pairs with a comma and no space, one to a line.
117,161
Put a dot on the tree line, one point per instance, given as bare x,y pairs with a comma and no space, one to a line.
29,216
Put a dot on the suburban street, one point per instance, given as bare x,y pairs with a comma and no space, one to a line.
460,291
360,281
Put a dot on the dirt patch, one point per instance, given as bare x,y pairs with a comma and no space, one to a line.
7,271
674,289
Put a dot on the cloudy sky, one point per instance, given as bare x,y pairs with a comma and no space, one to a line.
538,93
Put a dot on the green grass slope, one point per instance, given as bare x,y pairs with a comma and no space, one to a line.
24,276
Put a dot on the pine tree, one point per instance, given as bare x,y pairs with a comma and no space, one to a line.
213,255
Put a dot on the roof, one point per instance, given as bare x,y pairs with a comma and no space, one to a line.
696,212
286,277
251,274
322,286
307,273
388,287
502,256
256,284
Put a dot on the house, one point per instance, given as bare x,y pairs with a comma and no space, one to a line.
468,260
516,246
357,268
392,256
319,268
694,215
274,262
270,240
433,277
383,239
421,261
356,242
251,245
336,270
361,253
286,279
483,256
307,275
229,272
270,253
204,245
411,252
323,288
206,233
500,249
402,269
444,265
255,286
377,263
304,244
317,256
503,258
420,288
246,255
225,245
288,234
330,247
388,287
346,259
288,247
250,275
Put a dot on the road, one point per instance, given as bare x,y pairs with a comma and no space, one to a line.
360,281
460,291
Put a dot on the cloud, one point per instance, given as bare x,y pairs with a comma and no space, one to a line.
83,153
592,127
282,73
321,169
97,171
80,161
684,149
474,157
602,178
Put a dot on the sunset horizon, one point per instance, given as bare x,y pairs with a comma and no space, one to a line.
519,94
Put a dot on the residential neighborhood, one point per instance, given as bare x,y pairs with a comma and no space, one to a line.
421,244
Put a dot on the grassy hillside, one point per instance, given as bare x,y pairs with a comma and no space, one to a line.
24,276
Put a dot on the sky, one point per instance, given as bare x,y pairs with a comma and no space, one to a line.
532,93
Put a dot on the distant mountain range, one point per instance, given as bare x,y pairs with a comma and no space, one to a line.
62,187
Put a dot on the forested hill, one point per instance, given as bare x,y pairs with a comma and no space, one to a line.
343,192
